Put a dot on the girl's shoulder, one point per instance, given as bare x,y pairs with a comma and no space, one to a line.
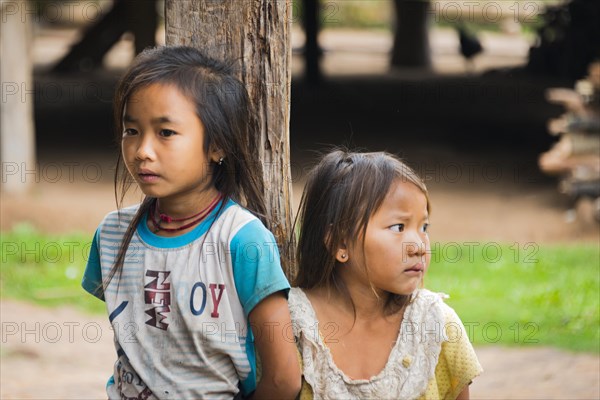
429,309
118,220
426,299
236,214
237,221
296,296
299,304
303,316
439,299
432,296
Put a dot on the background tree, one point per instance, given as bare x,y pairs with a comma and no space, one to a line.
256,34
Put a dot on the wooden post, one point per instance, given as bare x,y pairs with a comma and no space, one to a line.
255,33
411,36
312,52
17,135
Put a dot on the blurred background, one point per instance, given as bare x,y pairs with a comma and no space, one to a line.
494,103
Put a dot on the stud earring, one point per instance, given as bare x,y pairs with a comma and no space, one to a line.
220,161
344,256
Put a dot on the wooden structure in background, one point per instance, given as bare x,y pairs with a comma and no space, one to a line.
136,16
411,34
575,158
17,132
255,34
411,42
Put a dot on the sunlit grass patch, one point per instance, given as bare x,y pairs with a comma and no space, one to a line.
46,269
522,294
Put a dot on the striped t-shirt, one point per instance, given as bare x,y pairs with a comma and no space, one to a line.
180,308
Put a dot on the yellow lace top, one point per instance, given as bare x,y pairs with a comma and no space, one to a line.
419,367
457,364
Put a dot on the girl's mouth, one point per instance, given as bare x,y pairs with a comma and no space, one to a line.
147,176
417,268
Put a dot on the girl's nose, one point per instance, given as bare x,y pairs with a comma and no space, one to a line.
145,149
415,248
415,245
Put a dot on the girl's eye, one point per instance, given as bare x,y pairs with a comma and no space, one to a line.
166,133
129,132
425,226
397,227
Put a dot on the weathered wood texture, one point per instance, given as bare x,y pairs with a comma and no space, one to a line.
254,33
17,131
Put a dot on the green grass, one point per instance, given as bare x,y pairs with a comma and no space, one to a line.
522,294
505,294
46,269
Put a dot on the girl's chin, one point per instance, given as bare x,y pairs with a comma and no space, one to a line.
150,193
407,292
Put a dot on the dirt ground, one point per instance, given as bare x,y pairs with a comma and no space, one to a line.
63,354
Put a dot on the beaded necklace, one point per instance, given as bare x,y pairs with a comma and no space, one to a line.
168,219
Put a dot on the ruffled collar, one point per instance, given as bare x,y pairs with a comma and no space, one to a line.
410,366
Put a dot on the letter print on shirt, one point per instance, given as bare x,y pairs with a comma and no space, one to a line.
157,293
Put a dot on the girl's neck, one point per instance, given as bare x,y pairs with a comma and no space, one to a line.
367,300
184,207
174,217
360,301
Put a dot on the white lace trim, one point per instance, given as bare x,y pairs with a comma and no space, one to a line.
409,368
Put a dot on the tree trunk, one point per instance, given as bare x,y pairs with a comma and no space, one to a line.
411,37
255,34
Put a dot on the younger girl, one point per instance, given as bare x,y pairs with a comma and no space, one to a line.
191,277
365,329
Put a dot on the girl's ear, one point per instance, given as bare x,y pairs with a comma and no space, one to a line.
216,155
341,255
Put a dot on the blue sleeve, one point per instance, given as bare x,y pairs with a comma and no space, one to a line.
257,268
92,277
